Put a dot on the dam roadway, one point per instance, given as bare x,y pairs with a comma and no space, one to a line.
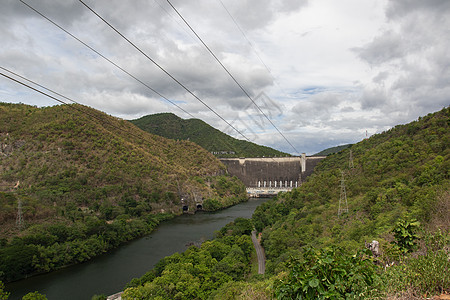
259,254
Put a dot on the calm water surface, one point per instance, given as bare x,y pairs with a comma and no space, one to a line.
109,273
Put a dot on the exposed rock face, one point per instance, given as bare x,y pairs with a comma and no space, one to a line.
7,146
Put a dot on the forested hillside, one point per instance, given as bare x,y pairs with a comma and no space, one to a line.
87,182
173,127
332,150
397,194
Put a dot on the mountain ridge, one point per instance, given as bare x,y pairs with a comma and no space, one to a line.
84,177
171,126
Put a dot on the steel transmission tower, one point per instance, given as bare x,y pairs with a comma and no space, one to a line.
343,206
350,161
19,220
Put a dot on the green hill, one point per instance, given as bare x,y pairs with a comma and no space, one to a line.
332,150
397,194
173,127
87,182
398,173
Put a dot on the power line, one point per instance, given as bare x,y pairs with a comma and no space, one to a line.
251,45
245,36
107,59
162,69
173,18
99,54
231,75
102,56
102,121
41,86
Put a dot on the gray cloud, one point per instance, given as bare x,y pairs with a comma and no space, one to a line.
412,60
373,98
407,57
399,9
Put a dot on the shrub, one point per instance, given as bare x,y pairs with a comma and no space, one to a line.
405,234
328,274
3,294
425,274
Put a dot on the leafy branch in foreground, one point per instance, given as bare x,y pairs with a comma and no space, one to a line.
328,274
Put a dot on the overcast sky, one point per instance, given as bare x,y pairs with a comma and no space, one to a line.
323,71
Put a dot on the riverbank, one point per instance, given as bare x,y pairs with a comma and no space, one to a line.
100,276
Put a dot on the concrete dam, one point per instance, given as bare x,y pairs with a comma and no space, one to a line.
268,176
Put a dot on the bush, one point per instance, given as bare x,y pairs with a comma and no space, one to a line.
3,294
405,234
34,296
328,274
425,274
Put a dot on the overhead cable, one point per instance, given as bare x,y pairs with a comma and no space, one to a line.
162,69
231,75
245,36
251,45
107,59
102,121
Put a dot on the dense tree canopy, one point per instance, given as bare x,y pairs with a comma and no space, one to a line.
173,127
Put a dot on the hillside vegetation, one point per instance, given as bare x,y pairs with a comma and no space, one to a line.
87,182
397,194
332,150
222,145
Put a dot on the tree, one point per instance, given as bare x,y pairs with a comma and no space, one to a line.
3,294
34,296
405,234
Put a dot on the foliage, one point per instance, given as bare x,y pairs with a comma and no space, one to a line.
239,227
332,150
3,294
405,234
261,290
230,191
99,297
171,126
197,272
397,174
34,296
328,274
89,184
420,274
69,244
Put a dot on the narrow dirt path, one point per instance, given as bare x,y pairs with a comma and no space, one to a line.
259,254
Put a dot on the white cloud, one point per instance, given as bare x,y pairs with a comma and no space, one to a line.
337,68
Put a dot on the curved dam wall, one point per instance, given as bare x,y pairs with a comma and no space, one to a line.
278,172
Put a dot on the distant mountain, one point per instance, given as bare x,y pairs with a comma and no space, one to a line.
332,150
220,144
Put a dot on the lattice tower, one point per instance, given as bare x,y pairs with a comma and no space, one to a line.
350,160
343,206
19,220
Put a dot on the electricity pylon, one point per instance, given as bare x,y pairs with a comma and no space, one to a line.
19,220
350,161
343,206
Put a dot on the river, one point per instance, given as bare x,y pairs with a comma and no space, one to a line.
108,274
